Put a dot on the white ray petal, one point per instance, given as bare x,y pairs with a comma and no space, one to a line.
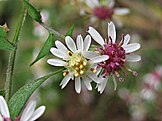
131,47
80,43
28,111
126,40
103,84
133,57
93,77
70,43
1,119
77,84
4,108
61,46
99,58
111,3
58,53
87,42
56,62
90,54
112,31
121,11
37,113
92,3
87,82
96,36
65,80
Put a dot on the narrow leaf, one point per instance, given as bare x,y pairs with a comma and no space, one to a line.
70,31
5,44
45,49
33,12
19,99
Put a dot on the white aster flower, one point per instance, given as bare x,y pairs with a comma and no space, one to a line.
119,53
104,10
77,60
28,114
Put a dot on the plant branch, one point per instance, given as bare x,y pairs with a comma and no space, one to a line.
51,30
12,56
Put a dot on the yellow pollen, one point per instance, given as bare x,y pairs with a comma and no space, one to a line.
76,68
81,66
76,74
77,64
65,73
84,63
81,72
70,53
94,71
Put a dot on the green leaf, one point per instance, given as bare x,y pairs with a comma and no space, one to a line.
19,99
33,12
3,33
70,32
5,44
2,92
45,49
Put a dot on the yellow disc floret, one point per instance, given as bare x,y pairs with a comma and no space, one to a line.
76,64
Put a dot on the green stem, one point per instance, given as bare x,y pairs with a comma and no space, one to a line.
11,62
51,30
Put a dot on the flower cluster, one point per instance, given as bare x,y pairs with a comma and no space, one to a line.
103,10
152,82
29,113
86,66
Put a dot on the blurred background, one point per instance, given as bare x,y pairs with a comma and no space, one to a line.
136,99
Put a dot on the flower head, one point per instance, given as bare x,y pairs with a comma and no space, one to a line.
119,53
28,114
104,10
78,61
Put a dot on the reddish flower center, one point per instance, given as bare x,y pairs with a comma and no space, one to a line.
103,12
116,61
116,58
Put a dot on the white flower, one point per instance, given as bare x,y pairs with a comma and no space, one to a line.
78,61
29,113
104,10
119,53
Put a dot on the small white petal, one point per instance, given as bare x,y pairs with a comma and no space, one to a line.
103,85
121,11
77,84
87,82
80,43
70,43
65,81
131,47
133,57
112,31
61,46
126,40
37,113
87,42
90,54
92,3
28,111
4,108
99,58
96,36
98,70
1,119
58,53
115,83
111,3
56,62
93,77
